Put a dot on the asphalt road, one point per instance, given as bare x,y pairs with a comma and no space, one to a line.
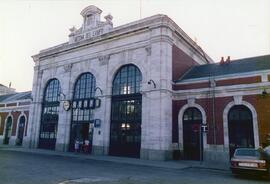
31,168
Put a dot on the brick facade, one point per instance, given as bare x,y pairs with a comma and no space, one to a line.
181,62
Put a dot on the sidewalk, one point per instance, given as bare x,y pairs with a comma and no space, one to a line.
172,164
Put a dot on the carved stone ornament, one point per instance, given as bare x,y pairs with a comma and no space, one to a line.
148,50
103,60
68,67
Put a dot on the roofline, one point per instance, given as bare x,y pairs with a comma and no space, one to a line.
220,76
223,77
146,23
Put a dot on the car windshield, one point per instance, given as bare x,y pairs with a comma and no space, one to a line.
247,152
267,150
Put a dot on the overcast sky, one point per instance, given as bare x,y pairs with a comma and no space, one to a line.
238,28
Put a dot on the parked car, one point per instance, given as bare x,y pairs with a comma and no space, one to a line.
250,160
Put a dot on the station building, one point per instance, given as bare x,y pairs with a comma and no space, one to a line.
145,90
14,111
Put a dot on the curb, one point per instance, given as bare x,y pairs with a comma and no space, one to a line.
120,160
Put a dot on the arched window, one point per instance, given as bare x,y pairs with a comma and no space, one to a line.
127,80
125,133
49,117
82,114
84,91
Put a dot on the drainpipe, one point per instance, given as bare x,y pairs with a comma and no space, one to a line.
213,85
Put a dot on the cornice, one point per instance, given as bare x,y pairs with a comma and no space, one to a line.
135,27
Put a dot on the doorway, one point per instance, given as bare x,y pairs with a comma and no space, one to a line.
192,134
21,126
8,130
82,132
240,125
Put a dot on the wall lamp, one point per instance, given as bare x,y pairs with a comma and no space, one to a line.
100,90
151,81
264,92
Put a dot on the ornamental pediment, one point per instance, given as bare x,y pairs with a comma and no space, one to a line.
92,25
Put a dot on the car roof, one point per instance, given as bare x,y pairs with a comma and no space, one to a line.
252,149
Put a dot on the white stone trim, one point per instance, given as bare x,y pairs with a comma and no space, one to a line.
223,91
254,121
180,124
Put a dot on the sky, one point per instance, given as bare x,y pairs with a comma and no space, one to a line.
235,28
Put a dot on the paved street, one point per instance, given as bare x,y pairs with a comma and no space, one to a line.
28,168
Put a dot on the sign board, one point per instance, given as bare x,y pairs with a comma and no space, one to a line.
97,123
204,128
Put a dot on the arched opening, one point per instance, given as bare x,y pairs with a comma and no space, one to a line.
240,126
21,126
82,103
49,116
192,134
8,130
125,129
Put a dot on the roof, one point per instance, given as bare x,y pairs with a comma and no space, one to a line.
15,97
234,67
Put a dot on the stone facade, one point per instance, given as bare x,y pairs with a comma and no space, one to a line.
149,44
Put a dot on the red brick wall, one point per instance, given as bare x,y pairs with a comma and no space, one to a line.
191,86
11,104
259,102
14,121
181,62
219,105
246,80
207,104
262,106
3,118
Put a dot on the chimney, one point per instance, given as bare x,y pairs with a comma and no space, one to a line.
222,61
228,60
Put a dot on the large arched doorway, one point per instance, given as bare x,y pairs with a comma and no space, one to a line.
240,125
125,131
192,134
21,126
8,129
82,114
49,117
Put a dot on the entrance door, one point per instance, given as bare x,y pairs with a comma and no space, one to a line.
81,132
8,130
193,144
125,139
20,131
240,126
